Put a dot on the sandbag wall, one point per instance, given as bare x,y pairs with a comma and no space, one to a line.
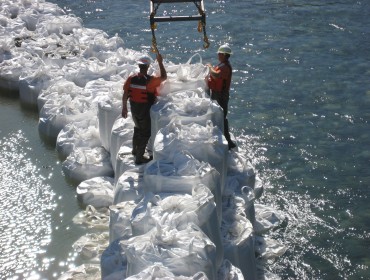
190,212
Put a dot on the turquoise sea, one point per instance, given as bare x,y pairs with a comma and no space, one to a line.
300,104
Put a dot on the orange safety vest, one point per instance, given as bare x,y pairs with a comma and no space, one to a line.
220,84
137,88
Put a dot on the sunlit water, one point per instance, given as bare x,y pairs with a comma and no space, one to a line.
300,106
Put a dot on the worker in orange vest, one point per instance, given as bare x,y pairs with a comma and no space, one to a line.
141,90
218,81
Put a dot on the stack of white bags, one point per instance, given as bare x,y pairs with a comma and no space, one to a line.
190,213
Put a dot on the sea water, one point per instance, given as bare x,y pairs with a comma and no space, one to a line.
300,105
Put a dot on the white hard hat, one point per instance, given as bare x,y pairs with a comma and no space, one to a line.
225,49
144,60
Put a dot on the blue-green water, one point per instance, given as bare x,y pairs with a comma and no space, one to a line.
300,104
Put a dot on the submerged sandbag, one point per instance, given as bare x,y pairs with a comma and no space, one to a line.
158,271
91,246
84,271
267,218
241,173
97,191
268,248
238,241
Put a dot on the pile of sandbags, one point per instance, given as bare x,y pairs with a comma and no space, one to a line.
190,213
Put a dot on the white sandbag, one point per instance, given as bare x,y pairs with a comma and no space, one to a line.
119,222
241,171
30,17
267,218
33,12
205,143
186,107
44,8
268,248
63,24
10,8
85,70
181,176
84,133
97,191
188,71
108,112
31,83
122,132
183,252
113,261
91,246
126,161
126,58
56,114
93,218
6,44
238,241
109,92
14,25
129,186
187,76
86,36
158,271
102,47
118,275
229,272
177,211
11,70
240,198
58,90
86,163
85,271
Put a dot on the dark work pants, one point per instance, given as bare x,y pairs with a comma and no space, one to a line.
222,99
141,117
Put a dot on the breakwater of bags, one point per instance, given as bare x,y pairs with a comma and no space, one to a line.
190,213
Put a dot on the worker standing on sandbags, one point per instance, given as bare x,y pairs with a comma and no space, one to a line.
141,89
218,81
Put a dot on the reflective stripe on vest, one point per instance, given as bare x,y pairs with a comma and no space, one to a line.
137,89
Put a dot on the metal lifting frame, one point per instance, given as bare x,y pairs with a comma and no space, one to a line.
201,18
154,19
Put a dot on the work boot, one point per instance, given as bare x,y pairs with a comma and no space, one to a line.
231,145
142,160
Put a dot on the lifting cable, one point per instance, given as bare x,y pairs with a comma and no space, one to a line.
201,23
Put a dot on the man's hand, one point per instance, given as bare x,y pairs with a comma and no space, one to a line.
124,112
